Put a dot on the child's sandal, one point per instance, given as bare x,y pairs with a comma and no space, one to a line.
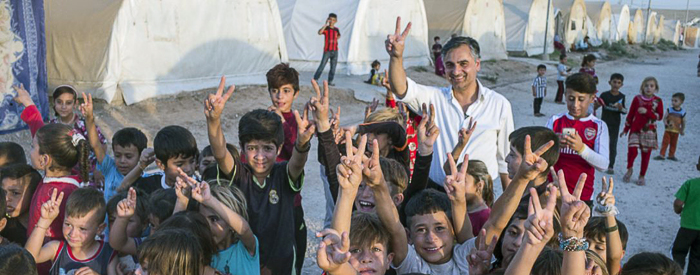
641,182
627,176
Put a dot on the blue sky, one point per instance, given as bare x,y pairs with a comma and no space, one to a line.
656,4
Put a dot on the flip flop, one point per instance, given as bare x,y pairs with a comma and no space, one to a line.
641,182
627,176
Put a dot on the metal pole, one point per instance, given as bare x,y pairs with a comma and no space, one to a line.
545,56
646,29
687,6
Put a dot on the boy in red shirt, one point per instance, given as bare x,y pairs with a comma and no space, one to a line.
330,47
583,137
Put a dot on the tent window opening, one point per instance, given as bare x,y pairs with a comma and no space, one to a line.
573,25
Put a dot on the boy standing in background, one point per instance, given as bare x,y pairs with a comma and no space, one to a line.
539,89
613,108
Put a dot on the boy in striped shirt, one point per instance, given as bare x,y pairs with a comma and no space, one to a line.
539,88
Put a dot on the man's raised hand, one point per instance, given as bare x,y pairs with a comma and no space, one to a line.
532,164
395,42
214,103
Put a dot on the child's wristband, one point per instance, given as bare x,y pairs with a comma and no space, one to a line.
573,244
611,229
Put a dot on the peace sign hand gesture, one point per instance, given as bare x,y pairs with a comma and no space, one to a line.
51,208
395,42
305,127
372,170
87,107
333,250
606,199
574,212
466,133
428,132
455,182
350,167
320,106
540,222
532,164
214,103
479,258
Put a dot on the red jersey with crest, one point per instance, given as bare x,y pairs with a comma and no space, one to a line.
594,134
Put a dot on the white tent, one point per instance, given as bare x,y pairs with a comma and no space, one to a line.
525,26
650,28
635,32
572,20
601,13
620,23
143,49
482,20
592,33
363,27
659,29
671,31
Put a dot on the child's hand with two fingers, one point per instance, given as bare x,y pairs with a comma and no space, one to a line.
50,209
214,103
455,182
479,258
428,131
350,167
574,212
333,250
532,164
127,207
372,171
539,226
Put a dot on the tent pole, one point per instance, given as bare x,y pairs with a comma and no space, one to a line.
646,29
545,56
687,5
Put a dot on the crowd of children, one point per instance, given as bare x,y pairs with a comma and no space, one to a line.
221,212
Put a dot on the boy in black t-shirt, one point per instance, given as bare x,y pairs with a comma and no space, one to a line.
269,187
614,107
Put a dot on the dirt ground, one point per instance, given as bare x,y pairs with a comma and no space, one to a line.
647,211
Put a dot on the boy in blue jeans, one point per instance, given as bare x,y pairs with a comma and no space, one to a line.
687,204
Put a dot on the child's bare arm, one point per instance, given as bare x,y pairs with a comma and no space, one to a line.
386,209
49,211
112,267
574,216
182,190
682,131
613,242
349,179
455,187
305,130
213,107
118,239
531,166
147,157
94,139
678,206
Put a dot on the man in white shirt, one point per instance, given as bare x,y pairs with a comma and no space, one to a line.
465,98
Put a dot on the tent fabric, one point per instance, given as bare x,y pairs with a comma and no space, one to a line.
525,26
483,20
650,28
691,37
601,14
23,52
671,31
592,33
659,29
635,32
573,16
143,49
620,23
363,27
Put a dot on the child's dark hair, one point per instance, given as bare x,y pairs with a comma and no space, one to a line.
83,201
538,136
206,152
562,56
173,251
198,226
174,141
56,140
541,66
21,170
16,260
680,96
366,229
428,201
161,203
617,76
333,15
581,82
3,204
548,262
595,229
598,260
130,136
12,153
478,170
64,89
651,263
394,174
282,74
261,125
141,210
588,58
375,63
436,38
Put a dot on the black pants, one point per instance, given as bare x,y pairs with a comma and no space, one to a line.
538,104
687,240
613,133
300,237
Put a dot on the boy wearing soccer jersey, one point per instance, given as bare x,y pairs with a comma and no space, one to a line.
583,137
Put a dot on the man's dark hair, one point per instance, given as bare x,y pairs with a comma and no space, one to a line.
282,74
538,136
680,96
562,56
617,76
458,41
12,152
20,170
174,141
541,66
16,260
261,125
582,83
333,15
428,201
130,136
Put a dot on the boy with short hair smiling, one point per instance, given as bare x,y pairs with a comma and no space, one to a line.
80,251
583,137
269,187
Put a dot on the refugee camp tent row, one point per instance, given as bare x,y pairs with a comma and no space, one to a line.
571,21
363,27
115,49
482,20
600,14
650,28
620,23
525,26
635,33
672,31
659,28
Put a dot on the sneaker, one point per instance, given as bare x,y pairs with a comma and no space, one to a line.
659,157
610,171
331,84
672,158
